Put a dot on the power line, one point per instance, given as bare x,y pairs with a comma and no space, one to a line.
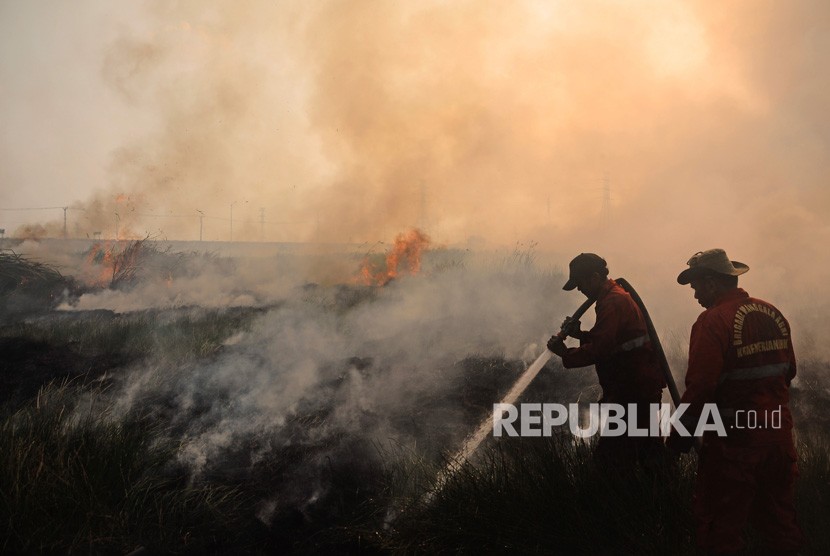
40,208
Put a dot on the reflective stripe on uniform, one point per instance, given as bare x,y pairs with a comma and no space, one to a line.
633,344
764,371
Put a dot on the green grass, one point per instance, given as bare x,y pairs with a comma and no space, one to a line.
74,479
544,496
175,335
813,497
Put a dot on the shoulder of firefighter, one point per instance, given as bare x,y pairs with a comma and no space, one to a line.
619,328
620,349
741,358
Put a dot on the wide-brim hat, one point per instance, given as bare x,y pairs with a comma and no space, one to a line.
713,260
583,265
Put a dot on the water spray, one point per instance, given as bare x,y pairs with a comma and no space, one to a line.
474,440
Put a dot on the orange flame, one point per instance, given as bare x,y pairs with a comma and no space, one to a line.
111,261
100,255
403,257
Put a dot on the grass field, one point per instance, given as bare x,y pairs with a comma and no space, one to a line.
315,420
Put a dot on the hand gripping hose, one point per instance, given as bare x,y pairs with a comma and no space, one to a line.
474,440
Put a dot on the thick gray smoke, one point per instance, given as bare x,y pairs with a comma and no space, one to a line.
331,367
644,131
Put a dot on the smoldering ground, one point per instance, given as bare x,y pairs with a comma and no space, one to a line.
331,382
305,400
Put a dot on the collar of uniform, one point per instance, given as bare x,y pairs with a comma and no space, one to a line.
606,287
736,293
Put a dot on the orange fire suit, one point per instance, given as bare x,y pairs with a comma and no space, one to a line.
741,358
619,347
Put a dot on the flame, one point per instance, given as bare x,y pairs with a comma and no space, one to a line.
100,255
404,257
112,261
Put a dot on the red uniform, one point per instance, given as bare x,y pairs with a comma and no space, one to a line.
741,358
618,346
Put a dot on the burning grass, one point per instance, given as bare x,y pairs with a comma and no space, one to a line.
121,264
317,423
402,258
28,286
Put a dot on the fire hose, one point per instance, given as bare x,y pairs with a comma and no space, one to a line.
656,346
474,440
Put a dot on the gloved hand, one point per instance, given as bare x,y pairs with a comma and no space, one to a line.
557,345
571,327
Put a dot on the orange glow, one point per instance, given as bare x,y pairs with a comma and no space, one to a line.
100,255
111,261
403,258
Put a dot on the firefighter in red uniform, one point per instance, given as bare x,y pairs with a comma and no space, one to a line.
740,358
619,347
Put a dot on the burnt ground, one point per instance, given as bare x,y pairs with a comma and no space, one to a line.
320,482
320,486
28,364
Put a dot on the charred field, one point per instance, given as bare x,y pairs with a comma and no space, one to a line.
192,403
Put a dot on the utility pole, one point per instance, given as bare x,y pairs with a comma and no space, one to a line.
262,224
117,218
65,235
201,217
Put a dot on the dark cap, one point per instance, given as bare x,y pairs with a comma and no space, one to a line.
583,265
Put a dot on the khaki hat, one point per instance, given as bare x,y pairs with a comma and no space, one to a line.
583,265
713,260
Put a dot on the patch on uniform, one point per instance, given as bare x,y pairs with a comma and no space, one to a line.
775,325
759,347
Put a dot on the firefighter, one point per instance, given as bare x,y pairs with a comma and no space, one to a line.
740,358
619,347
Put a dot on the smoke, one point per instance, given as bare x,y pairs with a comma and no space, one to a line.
357,119
338,374
644,131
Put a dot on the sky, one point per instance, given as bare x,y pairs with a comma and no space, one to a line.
645,130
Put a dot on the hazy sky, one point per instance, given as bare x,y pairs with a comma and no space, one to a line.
353,120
